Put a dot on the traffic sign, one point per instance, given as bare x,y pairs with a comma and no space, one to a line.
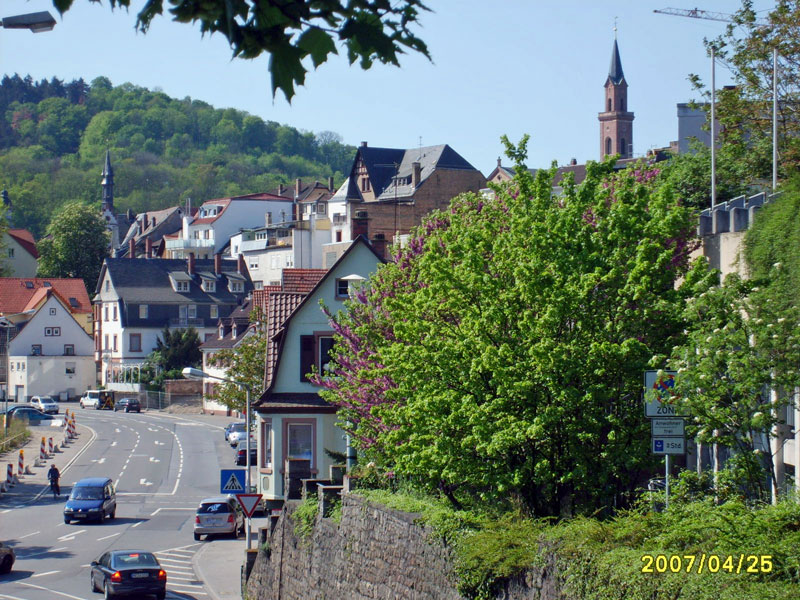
667,427
669,445
664,387
248,502
231,481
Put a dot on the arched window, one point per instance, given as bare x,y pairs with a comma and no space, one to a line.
608,146
622,104
622,148
609,105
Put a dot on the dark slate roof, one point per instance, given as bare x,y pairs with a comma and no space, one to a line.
615,73
147,280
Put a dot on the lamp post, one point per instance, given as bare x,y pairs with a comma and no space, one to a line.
8,324
191,373
37,22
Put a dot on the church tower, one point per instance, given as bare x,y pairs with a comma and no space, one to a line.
616,123
108,185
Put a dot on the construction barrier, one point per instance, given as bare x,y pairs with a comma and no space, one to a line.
42,451
50,450
10,474
21,465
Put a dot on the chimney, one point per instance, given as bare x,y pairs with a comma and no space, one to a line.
240,266
281,189
132,248
573,162
359,224
363,144
190,264
416,172
379,244
330,184
218,264
498,161
268,219
148,248
298,185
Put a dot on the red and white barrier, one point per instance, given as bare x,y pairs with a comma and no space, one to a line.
42,451
50,449
21,464
10,474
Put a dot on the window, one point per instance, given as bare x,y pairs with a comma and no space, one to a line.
69,349
214,311
52,331
192,311
259,285
69,368
341,288
182,286
106,342
252,263
196,234
221,331
608,146
136,342
324,353
182,312
315,351
265,458
108,285
115,342
36,350
236,286
609,105
115,312
10,253
52,311
105,313
143,311
322,208
622,148
338,236
299,436
209,286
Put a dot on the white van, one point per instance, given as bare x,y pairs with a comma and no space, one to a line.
91,399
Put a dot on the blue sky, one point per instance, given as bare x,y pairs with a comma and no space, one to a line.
499,67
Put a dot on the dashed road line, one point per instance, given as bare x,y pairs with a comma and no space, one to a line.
45,573
109,536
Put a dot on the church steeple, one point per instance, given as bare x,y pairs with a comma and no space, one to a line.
616,123
108,184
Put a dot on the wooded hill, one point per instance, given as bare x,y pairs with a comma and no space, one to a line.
53,138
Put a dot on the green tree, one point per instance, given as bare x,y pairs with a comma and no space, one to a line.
175,350
501,355
293,30
76,244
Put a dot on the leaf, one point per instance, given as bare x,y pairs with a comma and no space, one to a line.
286,68
318,44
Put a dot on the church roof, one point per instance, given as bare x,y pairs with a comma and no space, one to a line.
615,73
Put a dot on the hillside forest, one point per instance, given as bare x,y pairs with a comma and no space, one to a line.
54,135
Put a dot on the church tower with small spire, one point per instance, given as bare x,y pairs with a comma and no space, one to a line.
616,123
108,184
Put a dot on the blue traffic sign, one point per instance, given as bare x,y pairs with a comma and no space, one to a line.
231,481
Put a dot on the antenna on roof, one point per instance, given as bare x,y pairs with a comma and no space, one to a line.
419,156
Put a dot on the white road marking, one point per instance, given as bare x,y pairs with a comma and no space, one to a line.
45,573
183,555
153,459
38,587
144,482
157,443
117,430
22,537
99,461
108,536
158,510
5,597
5,511
71,535
136,524
41,553
113,444
152,429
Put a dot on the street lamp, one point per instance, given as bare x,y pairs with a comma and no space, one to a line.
7,324
192,373
37,22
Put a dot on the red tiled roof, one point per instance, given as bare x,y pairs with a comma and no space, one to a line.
25,239
16,293
281,305
301,280
261,298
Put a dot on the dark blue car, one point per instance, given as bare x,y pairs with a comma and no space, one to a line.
91,499
128,572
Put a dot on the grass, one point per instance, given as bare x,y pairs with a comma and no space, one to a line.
18,435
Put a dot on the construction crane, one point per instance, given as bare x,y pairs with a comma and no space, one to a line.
696,13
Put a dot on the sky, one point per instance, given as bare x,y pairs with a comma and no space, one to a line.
510,67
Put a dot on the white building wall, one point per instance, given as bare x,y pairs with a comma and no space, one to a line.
47,376
18,261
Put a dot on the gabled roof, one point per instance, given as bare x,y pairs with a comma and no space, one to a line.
16,293
301,280
25,239
225,202
37,303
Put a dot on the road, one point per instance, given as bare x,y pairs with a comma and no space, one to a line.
163,465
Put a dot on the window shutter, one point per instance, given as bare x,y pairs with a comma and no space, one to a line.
306,355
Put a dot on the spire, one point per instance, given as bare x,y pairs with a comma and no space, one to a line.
108,183
615,73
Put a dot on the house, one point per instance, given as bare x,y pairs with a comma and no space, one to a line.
51,353
210,229
136,298
20,254
293,421
148,230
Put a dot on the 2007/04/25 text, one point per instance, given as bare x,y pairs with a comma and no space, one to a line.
713,563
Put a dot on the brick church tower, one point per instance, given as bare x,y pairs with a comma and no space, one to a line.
616,123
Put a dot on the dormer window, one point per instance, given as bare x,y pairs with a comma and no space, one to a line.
322,208
221,332
235,287
234,331
209,286
181,286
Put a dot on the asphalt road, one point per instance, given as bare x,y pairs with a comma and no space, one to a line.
163,465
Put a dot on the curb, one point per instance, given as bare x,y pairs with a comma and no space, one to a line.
201,574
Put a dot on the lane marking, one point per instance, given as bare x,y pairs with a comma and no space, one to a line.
99,461
144,482
108,536
46,573
5,511
22,537
158,510
41,553
71,536
114,443
153,459
38,587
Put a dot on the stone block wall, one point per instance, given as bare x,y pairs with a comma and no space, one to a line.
375,553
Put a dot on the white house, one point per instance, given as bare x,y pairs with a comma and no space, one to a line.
21,256
51,354
293,421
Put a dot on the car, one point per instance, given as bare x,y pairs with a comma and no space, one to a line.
91,498
128,405
230,427
90,399
128,573
46,404
240,454
236,433
218,514
29,414
7,558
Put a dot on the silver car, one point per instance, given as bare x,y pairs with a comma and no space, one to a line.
220,514
46,404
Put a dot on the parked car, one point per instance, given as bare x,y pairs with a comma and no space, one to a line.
91,498
29,414
219,514
91,399
128,572
240,454
230,427
7,558
46,404
128,405
236,433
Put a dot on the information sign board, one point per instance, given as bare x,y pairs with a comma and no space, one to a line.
667,427
669,445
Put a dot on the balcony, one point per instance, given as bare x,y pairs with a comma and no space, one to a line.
179,322
339,219
181,244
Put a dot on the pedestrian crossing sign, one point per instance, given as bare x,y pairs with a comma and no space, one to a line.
231,481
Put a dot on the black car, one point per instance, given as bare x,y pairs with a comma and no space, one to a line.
240,457
128,572
128,405
29,414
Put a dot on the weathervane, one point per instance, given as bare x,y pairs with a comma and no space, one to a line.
615,27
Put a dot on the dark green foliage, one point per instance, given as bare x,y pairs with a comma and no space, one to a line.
178,348
53,139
